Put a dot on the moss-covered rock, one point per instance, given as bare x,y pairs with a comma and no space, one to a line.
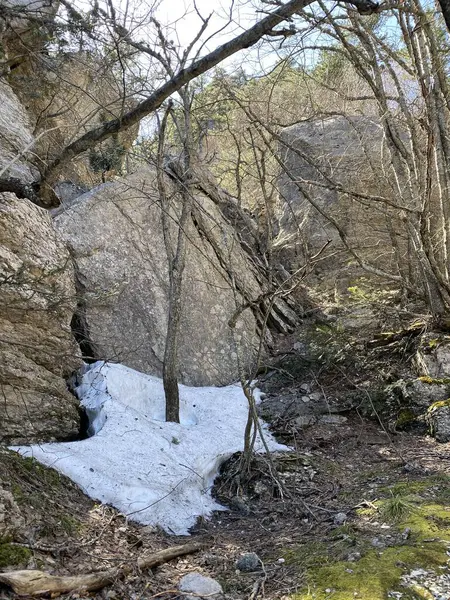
12,555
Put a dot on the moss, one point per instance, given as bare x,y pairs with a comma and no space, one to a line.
371,577
378,572
404,418
12,555
433,381
439,404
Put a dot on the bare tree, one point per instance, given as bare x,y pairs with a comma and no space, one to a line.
176,78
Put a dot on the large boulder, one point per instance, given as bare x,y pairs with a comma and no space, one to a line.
37,349
116,239
326,161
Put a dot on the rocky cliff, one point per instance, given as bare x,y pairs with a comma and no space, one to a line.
336,172
37,349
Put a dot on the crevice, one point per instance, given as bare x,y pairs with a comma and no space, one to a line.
80,331
78,324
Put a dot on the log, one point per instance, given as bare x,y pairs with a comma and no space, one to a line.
38,583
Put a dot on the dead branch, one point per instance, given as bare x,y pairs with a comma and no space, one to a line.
38,583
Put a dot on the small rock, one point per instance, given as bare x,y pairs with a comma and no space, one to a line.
281,560
332,419
406,533
305,387
353,556
249,562
260,488
340,518
316,396
149,529
305,420
306,399
200,586
11,519
240,505
411,468
377,543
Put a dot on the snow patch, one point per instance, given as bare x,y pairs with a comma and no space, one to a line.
154,472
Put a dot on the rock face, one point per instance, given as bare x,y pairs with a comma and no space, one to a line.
67,95
16,138
116,239
37,350
347,151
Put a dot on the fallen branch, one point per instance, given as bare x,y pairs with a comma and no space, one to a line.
37,583
387,339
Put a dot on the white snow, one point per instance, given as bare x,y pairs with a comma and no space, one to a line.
154,472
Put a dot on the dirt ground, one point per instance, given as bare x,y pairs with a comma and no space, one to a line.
350,490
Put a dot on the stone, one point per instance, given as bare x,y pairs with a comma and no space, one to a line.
301,347
351,151
65,98
115,237
407,399
305,420
438,418
340,518
353,556
37,348
195,586
11,519
332,420
16,138
433,357
249,562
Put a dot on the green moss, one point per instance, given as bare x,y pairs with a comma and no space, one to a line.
12,555
371,577
378,572
439,404
404,418
433,381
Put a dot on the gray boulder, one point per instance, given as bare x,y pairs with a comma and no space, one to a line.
115,236
37,349
249,562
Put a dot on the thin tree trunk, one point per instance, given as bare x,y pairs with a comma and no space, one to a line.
176,271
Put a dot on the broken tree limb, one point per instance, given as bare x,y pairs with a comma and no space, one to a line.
38,583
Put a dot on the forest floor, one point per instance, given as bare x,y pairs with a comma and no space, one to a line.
357,508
